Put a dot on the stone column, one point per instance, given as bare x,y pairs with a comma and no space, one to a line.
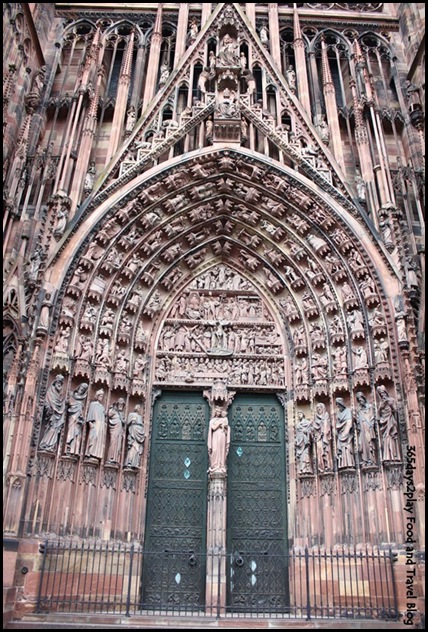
330,105
250,9
275,47
154,55
183,19
121,100
301,69
216,543
220,399
81,90
89,129
207,8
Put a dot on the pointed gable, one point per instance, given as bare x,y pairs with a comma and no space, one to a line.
300,147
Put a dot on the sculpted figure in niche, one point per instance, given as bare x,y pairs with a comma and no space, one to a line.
122,363
85,349
61,222
228,106
135,440
340,361
130,119
45,312
321,433
366,430
290,75
164,74
97,427
53,415
303,444
381,351
301,372
345,435
63,341
90,179
388,425
75,408
228,55
116,422
102,356
264,35
361,361
218,441
193,31
360,186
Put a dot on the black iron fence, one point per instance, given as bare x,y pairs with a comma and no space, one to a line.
122,579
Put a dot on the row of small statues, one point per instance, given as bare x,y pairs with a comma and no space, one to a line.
247,373
102,425
314,438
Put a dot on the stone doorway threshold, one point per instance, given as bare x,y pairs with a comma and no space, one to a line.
112,622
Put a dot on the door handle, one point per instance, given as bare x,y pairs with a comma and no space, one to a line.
239,560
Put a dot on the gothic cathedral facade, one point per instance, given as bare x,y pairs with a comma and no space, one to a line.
213,302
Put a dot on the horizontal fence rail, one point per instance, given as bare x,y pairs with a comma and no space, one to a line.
122,579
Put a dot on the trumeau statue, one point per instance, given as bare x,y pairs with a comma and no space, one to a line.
218,441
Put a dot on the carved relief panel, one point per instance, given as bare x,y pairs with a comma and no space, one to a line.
220,328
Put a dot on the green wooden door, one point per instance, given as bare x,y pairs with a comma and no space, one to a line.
256,509
174,564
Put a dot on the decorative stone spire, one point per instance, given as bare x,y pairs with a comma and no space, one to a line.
301,68
326,72
126,70
361,70
153,66
331,107
121,99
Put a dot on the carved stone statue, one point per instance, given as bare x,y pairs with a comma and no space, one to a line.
227,106
303,444
164,74
90,177
75,408
360,185
97,427
228,55
45,313
322,129
290,75
321,434
136,436
193,31
53,415
388,425
116,424
361,361
218,441
61,222
131,117
366,430
345,435
264,35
